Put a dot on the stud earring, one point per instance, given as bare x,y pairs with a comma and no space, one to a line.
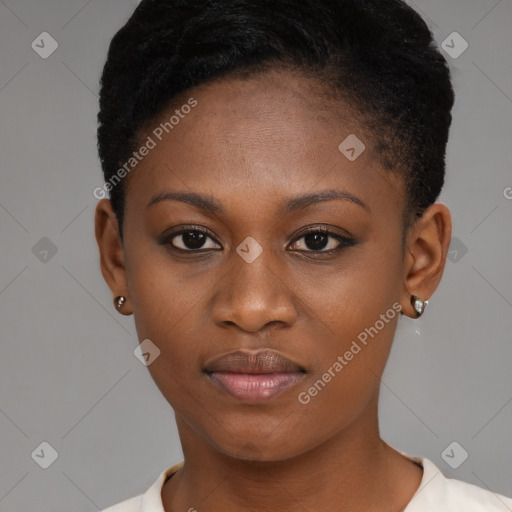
119,301
419,305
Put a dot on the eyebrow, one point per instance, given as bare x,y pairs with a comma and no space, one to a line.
212,205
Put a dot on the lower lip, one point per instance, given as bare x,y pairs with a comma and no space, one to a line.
255,387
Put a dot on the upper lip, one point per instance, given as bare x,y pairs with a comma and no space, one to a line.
263,361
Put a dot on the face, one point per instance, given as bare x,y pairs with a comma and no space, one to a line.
317,280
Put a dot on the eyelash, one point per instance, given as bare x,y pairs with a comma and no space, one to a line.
345,241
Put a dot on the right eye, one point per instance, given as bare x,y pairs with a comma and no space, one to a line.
190,239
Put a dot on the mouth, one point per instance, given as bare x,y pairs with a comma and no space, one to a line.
254,377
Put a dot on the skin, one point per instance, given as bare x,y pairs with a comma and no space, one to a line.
252,144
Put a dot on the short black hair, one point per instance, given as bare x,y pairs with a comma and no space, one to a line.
379,54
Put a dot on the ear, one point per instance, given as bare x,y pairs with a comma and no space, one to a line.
427,245
112,261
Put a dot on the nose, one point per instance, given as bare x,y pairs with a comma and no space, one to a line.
254,295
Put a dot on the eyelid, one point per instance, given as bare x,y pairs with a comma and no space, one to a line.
326,230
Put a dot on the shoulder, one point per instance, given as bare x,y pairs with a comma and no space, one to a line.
149,501
130,505
437,493
461,495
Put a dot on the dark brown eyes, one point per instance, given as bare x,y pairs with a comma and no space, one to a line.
318,239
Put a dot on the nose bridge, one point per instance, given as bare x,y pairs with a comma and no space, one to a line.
255,268
254,292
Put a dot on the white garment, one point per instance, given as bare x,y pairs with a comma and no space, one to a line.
436,493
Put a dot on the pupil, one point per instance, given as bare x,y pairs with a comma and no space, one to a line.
194,239
314,241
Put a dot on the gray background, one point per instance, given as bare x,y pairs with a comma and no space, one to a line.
68,375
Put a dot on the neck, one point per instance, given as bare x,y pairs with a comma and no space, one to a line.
355,470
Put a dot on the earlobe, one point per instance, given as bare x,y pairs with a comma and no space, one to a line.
112,262
427,245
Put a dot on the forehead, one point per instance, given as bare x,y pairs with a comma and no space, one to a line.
269,133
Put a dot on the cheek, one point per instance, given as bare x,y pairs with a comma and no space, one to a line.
158,290
163,306
352,317
350,295
348,376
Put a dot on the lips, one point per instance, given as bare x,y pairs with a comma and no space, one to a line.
266,361
254,376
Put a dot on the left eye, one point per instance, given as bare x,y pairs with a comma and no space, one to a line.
317,240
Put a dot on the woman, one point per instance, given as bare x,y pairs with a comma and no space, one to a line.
273,171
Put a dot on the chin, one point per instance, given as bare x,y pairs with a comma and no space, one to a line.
248,448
